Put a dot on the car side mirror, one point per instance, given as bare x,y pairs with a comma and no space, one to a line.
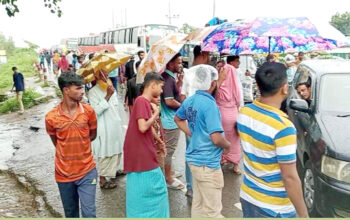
299,105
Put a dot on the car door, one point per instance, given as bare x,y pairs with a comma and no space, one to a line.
301,120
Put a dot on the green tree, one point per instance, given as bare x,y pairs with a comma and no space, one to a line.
12,8
7,44
342,22
186,28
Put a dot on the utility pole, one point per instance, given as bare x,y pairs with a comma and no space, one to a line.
126,19
214,1
113,24
169,16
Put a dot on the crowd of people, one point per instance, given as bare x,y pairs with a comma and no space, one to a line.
213,106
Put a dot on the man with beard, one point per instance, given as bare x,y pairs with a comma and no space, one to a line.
72,126
206,146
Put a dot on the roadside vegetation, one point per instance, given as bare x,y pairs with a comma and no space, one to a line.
23,59
29,99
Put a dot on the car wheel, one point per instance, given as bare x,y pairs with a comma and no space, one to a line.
309,191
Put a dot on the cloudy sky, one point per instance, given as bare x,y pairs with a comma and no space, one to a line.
81,17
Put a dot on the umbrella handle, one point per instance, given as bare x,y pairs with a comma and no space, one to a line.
104,77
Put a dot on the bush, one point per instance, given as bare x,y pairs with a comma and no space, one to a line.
11,104
23,59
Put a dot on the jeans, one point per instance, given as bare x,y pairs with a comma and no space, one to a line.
188,170
114,82
83,190
253,211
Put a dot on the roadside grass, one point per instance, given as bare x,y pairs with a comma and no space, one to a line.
58,93
23,59
11,105
46,84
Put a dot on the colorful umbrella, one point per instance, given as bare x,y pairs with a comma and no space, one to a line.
265,35
198,35
105,62
160,54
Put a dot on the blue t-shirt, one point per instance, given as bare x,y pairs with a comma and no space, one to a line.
18,81
113,73
203,117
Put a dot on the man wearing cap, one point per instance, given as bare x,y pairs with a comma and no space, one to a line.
206,145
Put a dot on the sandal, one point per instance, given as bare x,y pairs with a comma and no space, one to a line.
176,174
176,184
108,185
120,173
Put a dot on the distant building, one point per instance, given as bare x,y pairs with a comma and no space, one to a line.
3,57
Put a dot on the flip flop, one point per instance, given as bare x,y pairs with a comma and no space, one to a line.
177,184
109,185
176,174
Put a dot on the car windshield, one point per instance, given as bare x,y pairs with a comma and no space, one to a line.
334,93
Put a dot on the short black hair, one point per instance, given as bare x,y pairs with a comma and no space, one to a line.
197,51
141,51
270,77
149,78
220,61
303,84
69,78
269,57
301,53
14,68
232,58
175,57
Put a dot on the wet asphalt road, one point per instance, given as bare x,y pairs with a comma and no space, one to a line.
34,160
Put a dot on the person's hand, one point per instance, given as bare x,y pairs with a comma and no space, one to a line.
163,151
126,107
155,108
110,91
222,74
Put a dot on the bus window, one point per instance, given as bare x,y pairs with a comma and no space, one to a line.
97,40
109,37
115,37
134,35
127,36
112,38
121,36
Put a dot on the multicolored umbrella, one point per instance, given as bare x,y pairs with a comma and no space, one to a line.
160,54
265,35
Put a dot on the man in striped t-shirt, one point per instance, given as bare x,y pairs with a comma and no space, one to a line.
271,186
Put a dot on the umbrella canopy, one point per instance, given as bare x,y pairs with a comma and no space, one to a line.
105,62
198,35
160,54
265,35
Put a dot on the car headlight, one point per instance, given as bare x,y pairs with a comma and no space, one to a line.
337,169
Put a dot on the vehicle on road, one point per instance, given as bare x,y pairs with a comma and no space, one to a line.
323,135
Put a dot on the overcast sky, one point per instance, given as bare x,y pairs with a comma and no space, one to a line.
81,17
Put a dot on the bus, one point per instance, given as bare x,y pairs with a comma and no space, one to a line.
69,44
130,39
